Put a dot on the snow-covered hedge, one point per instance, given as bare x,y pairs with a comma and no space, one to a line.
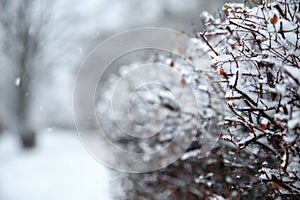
254,49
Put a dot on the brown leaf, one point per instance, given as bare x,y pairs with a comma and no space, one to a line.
183,81
221,71
172,64
274,19
263,126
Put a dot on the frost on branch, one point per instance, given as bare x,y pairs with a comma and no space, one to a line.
256,52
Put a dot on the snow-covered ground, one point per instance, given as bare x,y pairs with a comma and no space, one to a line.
59,168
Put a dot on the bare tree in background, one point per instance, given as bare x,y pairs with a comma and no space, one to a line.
37,38
21,46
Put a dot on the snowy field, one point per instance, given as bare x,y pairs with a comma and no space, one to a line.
59,168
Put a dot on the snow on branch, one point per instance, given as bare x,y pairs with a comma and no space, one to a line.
256,52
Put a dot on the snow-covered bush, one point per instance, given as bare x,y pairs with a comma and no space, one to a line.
154,107
255,51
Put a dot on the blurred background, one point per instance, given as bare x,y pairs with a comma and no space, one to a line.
42,45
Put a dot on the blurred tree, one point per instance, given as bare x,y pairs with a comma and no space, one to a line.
21,46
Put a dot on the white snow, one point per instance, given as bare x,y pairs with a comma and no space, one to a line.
264,121
295,72
293,123
191,154
59,168
17,81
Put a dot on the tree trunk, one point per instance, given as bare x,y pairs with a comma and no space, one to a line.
29,45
